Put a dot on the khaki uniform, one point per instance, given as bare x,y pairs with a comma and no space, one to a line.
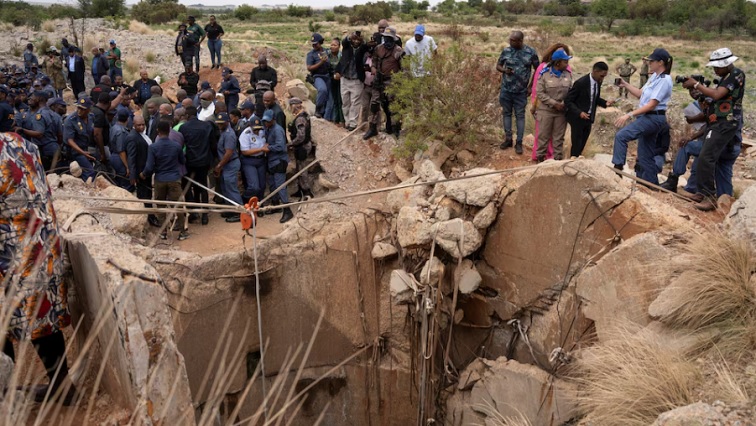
625,71
552,124
644,74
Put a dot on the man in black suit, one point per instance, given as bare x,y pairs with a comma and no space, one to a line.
581,101
76,71
136,146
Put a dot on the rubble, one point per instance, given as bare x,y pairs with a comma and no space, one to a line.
383,250
457,237
432,272
402,286
413,228
468,277
486,216
477,192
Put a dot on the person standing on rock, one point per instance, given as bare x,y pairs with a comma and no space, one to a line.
263,72
230,88
164,158
386,60
199,136
137,144
515,64
183,46
99,66
42,128
320,73
625,71
214,43
278,159
30,59
351,73
195,37
334,113
649,118
31,267
76,71
545,61
119,160
300,134
114,61
554,82
142,88
582,101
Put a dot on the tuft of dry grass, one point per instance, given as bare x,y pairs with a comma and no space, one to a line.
48,26
150,57
495,418
716,289
131,66
630,380
139,27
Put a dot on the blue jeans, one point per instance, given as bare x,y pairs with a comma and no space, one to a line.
255,170
114,71
230,181
722,170
87,169
514,102
120,171
323,84
215,50
278,180
645,130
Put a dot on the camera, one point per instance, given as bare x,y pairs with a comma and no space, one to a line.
699,78
618,81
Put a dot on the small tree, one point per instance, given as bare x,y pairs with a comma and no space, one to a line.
244,12
609,11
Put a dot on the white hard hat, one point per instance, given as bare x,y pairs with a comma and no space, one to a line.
721,58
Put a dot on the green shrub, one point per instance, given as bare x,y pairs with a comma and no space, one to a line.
244,12
163,11
329,16
566,30
299,11
370,13
314,27
452,104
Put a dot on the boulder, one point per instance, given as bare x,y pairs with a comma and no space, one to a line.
428,171
468,277
699,413
297,89
411,196
383,250
605,159
132,224
438,153
503,389
741,221
327,183
465,158
435,268
412,228
610,298
485,216
402,286
53,180
476,191
457,237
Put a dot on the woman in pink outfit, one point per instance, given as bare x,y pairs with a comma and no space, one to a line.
544,62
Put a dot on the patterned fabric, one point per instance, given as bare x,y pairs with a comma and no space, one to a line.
522,61
729,107
31,266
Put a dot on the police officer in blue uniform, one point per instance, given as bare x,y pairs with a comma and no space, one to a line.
78,134
7,115
43,128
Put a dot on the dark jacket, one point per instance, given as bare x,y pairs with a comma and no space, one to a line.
199,138
79,70
579,100
141,99
268,74
348,54
136,152
279,115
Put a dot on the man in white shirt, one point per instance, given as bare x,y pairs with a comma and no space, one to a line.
420,49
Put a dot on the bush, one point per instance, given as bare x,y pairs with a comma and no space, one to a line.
370,13
329,16
244,12
342,10
157,13
299,11
314,27
566,29
452,105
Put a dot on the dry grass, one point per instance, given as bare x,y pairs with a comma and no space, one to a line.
131,66
635,377
716,290
495,418
48,26
149,57
139,28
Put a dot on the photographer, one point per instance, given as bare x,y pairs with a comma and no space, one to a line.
651,117
725,118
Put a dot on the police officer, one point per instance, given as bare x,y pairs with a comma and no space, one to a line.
118,155
515,63
43,128
644,72
228,167
230,89
7,115
386,61
278,159
301,141
625,71
725,122
78,136
253,164
554,82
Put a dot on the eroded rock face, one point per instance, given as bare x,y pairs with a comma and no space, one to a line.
504,388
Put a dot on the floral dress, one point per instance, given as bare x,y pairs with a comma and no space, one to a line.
31,267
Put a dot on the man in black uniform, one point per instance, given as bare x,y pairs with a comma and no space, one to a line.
725,117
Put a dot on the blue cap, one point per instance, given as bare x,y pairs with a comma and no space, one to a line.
221,117
4,89
247,104
268,116
420,30
205,85
659,54
227,71
84,102
40,94
112,41
560,54
316,38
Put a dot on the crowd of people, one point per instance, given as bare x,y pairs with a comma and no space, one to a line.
716,113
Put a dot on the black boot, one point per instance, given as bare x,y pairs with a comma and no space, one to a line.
518,148
307,194
274,202
204,219
397,129
507,143
287,215
671,183
372,131
389,127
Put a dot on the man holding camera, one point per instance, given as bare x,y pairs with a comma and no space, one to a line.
725,120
